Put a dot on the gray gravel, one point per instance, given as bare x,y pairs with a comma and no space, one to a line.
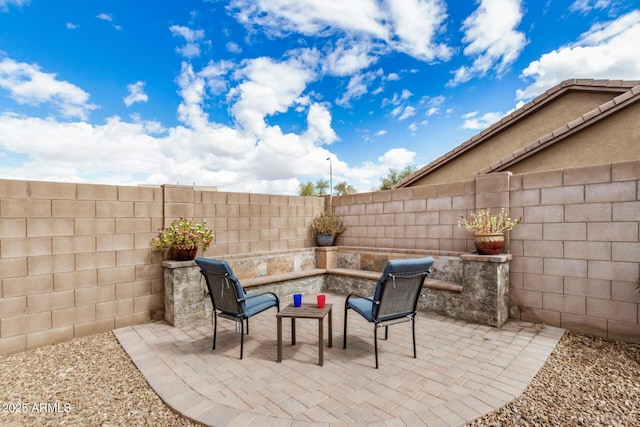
85,382
91,381
586,381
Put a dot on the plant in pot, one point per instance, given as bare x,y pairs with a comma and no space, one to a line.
183,238
489,229
326,226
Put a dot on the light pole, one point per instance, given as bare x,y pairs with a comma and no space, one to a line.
330,177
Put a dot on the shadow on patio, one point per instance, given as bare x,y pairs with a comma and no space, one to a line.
462,370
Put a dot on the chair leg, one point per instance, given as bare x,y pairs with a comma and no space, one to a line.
386,332
242,338
344,336
375,342
215,327
247,326
413,330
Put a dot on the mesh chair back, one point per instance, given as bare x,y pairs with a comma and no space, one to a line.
399,287
224,287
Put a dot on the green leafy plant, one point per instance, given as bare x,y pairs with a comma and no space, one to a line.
484,222
185,233
327,223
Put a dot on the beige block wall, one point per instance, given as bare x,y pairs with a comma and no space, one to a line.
577,256
66,251
75,259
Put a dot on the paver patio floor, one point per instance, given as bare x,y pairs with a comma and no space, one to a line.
462,370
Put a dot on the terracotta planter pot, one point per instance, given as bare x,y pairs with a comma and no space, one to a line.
180,253
489,244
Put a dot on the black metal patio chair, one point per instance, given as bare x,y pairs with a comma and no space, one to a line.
229,298
395,299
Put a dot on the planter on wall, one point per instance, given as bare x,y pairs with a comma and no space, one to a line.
181,253
325,239
489,244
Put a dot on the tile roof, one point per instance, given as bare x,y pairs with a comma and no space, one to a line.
629,93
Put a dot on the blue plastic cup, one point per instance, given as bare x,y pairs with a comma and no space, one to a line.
297,300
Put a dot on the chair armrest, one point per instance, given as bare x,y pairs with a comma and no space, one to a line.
253,295
360,296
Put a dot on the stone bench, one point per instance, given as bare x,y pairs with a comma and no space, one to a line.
282,277
429,283
477,292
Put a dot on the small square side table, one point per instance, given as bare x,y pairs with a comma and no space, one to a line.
306,311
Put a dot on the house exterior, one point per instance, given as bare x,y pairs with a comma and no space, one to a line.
577,123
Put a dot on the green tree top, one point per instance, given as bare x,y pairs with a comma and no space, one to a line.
394,176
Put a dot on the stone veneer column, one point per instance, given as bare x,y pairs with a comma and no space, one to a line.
486,279
327,257
184,293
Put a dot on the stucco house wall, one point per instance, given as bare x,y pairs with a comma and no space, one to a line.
605,111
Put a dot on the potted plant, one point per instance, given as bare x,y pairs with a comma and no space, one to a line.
488,229
326,226
183,238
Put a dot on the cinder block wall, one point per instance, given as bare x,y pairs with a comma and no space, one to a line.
577,256
75,259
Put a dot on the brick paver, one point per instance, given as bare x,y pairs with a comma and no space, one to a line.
462,371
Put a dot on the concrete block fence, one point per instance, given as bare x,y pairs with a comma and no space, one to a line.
75,259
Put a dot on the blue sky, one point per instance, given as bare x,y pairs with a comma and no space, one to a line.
254,95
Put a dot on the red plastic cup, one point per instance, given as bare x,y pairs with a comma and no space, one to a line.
322,299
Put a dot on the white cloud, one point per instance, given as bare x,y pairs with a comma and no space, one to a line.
109,18
416,24
585,6
358,86
474,122
319,128
105,17
136,94
233,47
192,48
270,87
312,17
432,104
408,26
27,84
397,158
349,57
607,51
413,127
78,148
4,4
492,39
71,26
406,113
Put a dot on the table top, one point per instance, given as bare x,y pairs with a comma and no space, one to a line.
306,311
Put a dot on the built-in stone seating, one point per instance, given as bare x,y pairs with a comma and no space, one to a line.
462,285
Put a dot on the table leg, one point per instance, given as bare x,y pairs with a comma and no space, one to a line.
330,329
279,339
293,331
321,341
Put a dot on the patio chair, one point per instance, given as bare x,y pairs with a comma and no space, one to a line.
395,298
229,298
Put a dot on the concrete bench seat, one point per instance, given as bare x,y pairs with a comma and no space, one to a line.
462,286
282,277
438,284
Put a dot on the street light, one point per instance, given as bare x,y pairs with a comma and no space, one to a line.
330,177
